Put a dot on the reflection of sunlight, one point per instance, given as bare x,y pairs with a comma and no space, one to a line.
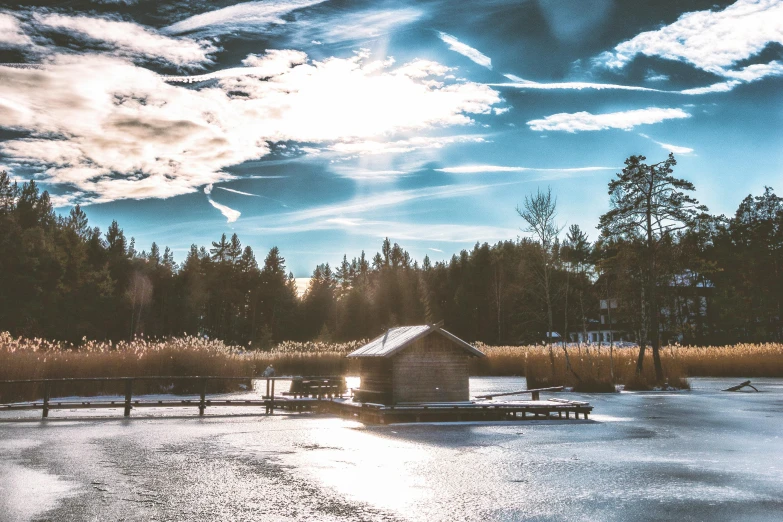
352,381
366,465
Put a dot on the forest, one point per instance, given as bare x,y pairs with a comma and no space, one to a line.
654,250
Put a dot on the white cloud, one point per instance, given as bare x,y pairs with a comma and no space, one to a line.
241,193
247,16
11,33
714,41
238,192
428,232
757,71
477,169
400,230
710,40
366,174
748,74
520,83
126,133
351,27
435,250
230,214
308,218
401,146
585,121
131,39
466,50
651,76
677,149
715,87
273,63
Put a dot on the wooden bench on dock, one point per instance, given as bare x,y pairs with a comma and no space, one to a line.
322,387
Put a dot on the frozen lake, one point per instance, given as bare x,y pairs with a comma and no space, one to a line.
699,455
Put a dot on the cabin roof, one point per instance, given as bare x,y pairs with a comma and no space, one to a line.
396,339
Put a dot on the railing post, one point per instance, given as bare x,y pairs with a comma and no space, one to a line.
266,397
272,399
536,396
46,400
128,394
202,405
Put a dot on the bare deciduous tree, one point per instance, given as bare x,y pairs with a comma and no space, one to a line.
540,213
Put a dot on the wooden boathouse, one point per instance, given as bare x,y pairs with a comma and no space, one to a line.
414,364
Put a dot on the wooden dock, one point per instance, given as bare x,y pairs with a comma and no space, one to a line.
323,396
269,401
461,412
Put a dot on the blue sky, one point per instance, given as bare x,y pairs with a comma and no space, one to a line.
322,127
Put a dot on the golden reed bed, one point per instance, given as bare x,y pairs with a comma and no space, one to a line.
593,368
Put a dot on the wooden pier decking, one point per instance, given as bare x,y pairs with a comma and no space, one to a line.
323,397
461,412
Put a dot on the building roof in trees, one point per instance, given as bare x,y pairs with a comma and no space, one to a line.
397,339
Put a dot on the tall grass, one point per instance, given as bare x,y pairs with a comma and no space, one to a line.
186,356
600,367
592,368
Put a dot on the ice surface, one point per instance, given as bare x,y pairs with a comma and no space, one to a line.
699,455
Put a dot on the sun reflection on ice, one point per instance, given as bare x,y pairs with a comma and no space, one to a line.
366,465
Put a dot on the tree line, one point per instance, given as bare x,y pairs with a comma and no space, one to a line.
659,268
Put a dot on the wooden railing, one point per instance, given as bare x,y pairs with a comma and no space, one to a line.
536,393
268,400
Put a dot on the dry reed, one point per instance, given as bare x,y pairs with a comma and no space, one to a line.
186,356
596,369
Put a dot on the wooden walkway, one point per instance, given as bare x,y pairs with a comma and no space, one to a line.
324,397
269,401
461,412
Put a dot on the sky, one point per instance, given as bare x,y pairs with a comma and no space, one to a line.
322,127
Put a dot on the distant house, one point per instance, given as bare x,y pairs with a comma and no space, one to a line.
684,312
414,364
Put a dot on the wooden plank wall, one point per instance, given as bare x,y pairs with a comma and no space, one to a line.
376,376
433,369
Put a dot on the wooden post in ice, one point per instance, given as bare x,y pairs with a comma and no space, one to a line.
46,400
202,404
266,397
272,399
128,394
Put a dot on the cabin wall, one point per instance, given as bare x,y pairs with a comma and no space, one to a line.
376,380
433,369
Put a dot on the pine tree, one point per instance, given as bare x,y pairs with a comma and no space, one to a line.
234,249
647,202
77,221
220,250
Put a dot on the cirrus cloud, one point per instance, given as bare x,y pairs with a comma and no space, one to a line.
480,169
465,50
585,121
677,149
246,16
